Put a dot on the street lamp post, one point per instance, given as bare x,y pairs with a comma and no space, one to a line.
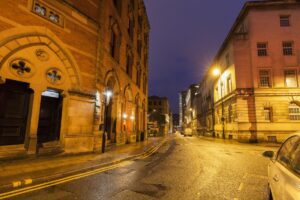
217,72
107,95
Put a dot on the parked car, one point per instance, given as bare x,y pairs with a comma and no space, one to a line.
284,170
188,132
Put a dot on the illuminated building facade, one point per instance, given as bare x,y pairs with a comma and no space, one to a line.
254,93
59,60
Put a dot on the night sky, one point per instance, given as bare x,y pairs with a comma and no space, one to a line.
185,36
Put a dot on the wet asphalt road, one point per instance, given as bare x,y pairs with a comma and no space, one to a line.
184,168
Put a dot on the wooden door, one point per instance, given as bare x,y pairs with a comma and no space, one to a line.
49,119
14,105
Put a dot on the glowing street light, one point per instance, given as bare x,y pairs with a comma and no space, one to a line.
125,116
216,72
132,117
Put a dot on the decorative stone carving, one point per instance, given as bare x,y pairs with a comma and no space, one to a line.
42,55
54,76
22,68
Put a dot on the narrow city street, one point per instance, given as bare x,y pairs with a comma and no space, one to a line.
183,168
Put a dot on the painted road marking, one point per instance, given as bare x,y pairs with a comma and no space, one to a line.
72,177
16,184
27,181
241,187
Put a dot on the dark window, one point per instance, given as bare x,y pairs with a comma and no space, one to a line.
139,47
227,60
118,6
264,78
140,20
287,48
284,20
262,49
114,48
131,28
145,84
286,150
129,66
290,78
138,78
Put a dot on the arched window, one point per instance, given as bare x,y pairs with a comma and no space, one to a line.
115,40
118,5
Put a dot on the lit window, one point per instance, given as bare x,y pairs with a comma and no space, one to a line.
47,13
294,112
264,78
287,48
290,78
40,9
284,21
267,113
229,84
262,49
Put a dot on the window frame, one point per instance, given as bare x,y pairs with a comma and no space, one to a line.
293,107
262,51
285,20
286,75
48,12
270,114
260,76
288,50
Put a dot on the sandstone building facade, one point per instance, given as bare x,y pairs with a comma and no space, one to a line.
259,82
70,70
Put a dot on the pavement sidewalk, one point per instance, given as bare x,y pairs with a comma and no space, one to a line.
16,173
227,141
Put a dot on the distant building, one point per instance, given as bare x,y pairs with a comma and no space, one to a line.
182,108
254,93
159,112
175,121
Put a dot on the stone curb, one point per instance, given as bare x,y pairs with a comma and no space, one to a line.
29,182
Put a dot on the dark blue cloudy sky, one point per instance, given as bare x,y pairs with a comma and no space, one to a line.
185,36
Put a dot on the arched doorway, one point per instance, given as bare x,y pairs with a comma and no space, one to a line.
128,115
137,118
111,108
41,64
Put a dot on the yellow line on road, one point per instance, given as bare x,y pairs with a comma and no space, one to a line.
74,177
60,181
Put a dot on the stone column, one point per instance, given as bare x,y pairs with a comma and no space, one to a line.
34,121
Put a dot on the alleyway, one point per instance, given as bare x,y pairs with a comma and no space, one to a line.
183,168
